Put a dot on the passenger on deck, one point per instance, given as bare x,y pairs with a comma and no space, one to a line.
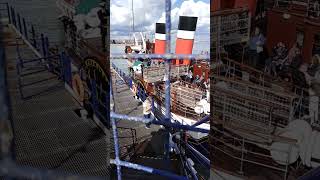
200,81
292,62
147,108
196,80
279,54
256,44
189,76
300,77
148,47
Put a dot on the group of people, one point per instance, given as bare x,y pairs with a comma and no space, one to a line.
283,62
197,80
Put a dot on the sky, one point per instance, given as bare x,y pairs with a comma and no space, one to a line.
148,12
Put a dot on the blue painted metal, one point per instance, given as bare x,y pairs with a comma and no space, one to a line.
201,121
164,123
66,63
116,147
201,156
167,75
148,169
93,91
314,174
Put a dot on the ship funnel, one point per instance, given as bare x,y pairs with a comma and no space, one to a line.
185,37
160,43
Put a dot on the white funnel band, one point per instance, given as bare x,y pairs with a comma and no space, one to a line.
159,36
182,34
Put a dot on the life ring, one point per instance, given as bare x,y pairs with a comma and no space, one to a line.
134,89
77,87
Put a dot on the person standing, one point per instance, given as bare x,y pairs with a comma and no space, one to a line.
103,17
147,108
256,45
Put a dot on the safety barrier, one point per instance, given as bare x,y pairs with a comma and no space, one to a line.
232,147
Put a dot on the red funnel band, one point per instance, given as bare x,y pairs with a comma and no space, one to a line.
160,47
184,46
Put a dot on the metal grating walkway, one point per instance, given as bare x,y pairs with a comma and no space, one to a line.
47,132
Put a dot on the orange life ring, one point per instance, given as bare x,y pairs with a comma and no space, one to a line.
134,88
77,87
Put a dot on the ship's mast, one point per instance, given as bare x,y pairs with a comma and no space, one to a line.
132,14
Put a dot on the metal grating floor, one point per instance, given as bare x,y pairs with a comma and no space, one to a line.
48,133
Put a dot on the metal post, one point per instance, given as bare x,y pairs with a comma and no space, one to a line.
68,71
13,15
43,46
61,58
25,28
33,37
19,23
19,54
94,95
8,11
167,72
46,48
116,147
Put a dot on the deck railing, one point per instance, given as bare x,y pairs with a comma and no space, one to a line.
310,8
